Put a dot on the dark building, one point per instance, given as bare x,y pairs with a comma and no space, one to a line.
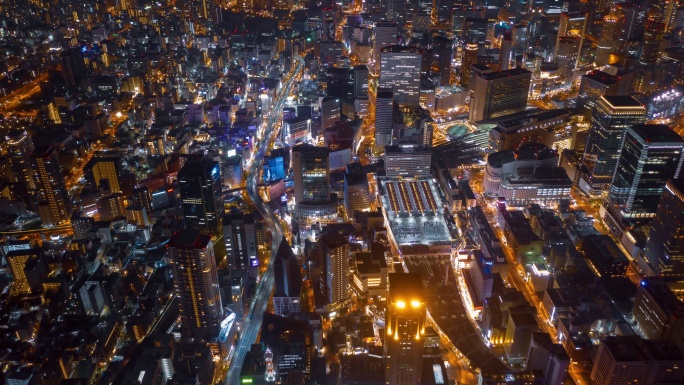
604,256
665,245
73,67
200,191
288,281
239,234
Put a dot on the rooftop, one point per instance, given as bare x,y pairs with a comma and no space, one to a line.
602,77
621,101
656,133
405,285
505,74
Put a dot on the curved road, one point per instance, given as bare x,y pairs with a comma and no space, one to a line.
266,136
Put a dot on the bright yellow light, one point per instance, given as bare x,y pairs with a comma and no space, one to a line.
401,304
415,303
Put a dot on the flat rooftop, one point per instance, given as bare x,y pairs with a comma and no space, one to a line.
657,133
621,101
505,74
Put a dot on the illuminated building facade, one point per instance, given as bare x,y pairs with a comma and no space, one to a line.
400,70
196,282
51,188
336,249
405,319
651,155
609,121
665,245
499,93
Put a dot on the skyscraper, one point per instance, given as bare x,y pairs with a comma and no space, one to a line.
73,67
567,52
506,46
608,40
651,155
51,185
609,121
196,282
400,71
499,93
311,173
239,235
200,190
469,58
384,110
336,250
651,47
330,111
665,245
405,319
408,161
19,149
385,35
104,168
592,86
549,358
356,194
442,53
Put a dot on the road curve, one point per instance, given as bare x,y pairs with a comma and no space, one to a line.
265,140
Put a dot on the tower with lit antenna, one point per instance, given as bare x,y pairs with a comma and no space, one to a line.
405,320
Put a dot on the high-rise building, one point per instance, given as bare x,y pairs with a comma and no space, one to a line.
651,155
196,282
400,70
567,53
73,67
506,51
330,111
336,281
384,111
356,193
288,281
519,328
104,170
549,358
395,10
499,93
608,40
469,58
19,149
657,311
385,35
609,121
239,234
51,188
200,191
311,173
442,54
405,319
651,47
17,261
360,78
592,86
408,161
111,207
664,248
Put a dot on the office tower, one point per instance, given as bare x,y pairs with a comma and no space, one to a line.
104,170
311,173
653,38
384,110
17,261
469,58
395,10
442,53
664,248
608,40
499,93
200,191
632,360
519,328
51,188
405,318
337,84
571,24
651,155
194,273
73,67
658,312
408,161
330,111
360,78
609,121
385,35
567,53
19,147
506,51
549,358
288,281
137,215
141,196
111,207
400,71
239,235
356,193
592,86
631,18
336,251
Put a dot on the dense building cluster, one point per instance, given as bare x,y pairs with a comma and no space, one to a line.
380,192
